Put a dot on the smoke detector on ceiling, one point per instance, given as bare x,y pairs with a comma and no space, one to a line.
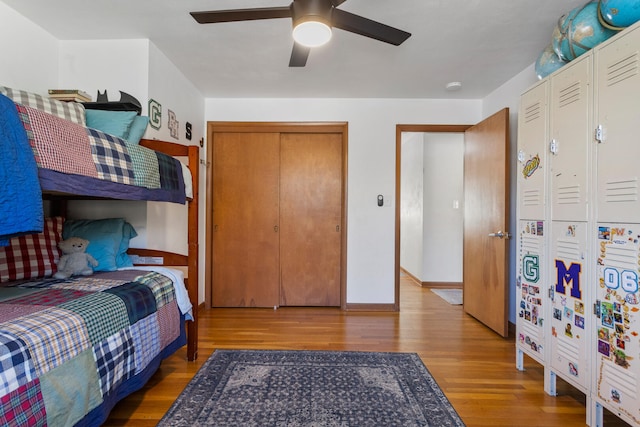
453,86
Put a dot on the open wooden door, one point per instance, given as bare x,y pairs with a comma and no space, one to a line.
486,222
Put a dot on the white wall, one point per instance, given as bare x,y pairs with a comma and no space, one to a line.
111,65
412,203
29,54
508,95
443,207
372,127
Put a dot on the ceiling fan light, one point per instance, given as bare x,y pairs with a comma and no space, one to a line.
312,33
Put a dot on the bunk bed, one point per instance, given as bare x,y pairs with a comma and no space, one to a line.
70,349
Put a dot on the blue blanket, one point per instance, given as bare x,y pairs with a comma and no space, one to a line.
20,195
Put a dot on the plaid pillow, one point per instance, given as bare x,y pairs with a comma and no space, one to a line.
33,255
72,111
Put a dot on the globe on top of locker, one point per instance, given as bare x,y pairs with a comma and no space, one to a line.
619,13
583,28
548,62
579,31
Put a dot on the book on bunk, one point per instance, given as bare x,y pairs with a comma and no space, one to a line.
76,95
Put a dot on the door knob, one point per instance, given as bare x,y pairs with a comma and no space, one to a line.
500,235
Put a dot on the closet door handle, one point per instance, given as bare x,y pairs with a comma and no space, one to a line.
276,228
337,228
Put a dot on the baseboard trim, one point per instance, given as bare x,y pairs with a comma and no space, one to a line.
434,285
411,276
442,285
372,307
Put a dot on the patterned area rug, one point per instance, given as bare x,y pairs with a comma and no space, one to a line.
452,296
312,389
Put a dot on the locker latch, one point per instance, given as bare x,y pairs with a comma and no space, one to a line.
596,309
553,146
598,134
551,293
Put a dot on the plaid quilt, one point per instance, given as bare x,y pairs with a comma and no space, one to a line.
91,157
102,331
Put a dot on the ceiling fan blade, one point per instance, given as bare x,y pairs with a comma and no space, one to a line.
368,28
337,3
299,55
241,14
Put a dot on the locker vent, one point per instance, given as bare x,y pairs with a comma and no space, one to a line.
621,190
621,257
623,69
623,379
532,331
568,249
567,349
532,112
531,244
569,95
531,197
569,195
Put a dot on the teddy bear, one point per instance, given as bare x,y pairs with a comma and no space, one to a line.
74,260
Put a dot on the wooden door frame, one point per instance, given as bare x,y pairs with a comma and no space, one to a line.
279,127
399,130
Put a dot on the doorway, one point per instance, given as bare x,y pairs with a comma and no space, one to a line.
432,192
400,131
486,216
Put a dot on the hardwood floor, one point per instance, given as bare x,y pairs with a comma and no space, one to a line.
474,367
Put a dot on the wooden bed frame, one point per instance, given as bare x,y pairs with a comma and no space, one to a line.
189,261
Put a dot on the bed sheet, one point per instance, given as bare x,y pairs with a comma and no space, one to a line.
70,349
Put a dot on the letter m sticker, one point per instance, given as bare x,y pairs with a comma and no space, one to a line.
568,277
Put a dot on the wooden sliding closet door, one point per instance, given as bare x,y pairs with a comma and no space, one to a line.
310,219
245,219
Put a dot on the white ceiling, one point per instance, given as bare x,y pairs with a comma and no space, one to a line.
481,43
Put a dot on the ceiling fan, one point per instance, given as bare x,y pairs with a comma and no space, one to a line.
312,23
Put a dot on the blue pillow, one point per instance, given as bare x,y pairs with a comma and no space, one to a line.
104,236
137,129
122,258
116,123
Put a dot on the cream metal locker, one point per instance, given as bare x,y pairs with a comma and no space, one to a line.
617,122
617,360
531,300
570,317
531,292
617,117
570,112
570,140
532,152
